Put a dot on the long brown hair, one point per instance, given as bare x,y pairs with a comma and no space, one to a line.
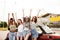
12,22
20,20
24,19
35,19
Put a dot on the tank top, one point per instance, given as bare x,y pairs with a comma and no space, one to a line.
26,26
12,28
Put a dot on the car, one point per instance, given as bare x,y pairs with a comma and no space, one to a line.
47,34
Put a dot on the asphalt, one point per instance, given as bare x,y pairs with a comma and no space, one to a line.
4,33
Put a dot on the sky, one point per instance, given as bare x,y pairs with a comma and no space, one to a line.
16,6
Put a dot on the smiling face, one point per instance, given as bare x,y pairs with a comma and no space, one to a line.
34,19
19,21
26,19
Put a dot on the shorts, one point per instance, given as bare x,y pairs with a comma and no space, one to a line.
19,34
26,32
34,33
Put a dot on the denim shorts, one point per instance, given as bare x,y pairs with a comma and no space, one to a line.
26,32
19,34
34,33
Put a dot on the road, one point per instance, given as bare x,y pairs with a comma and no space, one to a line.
4,33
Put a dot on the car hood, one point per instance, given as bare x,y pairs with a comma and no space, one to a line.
54,34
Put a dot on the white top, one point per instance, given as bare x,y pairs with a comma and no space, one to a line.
20,28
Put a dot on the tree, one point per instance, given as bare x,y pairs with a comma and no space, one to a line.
3,24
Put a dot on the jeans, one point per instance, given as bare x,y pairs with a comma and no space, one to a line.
12,36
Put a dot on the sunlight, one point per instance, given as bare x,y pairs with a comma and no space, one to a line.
16,6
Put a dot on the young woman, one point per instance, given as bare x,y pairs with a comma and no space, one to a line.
20,30
26,25
12,27
33,28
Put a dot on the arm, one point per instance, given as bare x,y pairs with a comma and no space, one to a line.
14,19
30,19
8,19
13,16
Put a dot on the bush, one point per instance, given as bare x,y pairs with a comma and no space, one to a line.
3,24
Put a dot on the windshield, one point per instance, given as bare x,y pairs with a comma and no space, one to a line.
44,29
47,29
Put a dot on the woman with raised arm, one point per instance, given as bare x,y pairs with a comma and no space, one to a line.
33,28
12,27
20,30
26,25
